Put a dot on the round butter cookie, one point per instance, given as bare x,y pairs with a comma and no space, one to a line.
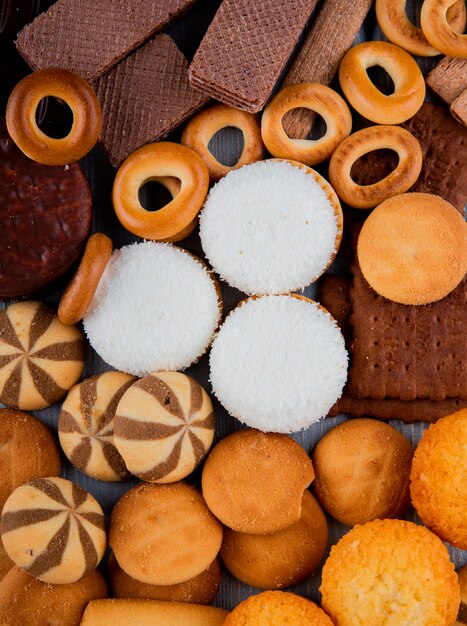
438,481
53,529
164,534
280,559
277,607
362,471
40,358
278,363
162,300
412,249
164,426
271,227
86,425
462,614
254,482
390,572
201,589
27,601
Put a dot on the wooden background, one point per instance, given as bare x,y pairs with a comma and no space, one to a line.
226,145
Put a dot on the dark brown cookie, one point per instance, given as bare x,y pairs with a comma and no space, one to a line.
334,295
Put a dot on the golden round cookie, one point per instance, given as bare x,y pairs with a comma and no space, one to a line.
164,534
274,608
462,614
438,481
362,470
201,589
390,572
254,481
281,559
27,601
412,249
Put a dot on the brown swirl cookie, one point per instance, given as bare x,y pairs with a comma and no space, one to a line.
86,425
54,530
164,426
40,358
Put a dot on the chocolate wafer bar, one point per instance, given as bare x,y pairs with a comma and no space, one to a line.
245,49
449,78
90,37
144,98
459,108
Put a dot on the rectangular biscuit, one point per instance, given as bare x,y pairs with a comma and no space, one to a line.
246,48
90,37
459,108
144,98
449,78
334,293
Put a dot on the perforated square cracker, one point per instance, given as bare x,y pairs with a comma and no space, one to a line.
245,49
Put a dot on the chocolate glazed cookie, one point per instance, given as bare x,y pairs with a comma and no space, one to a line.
45,217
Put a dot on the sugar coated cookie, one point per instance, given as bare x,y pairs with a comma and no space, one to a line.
271,227
201,589
164,426
438,481
40,358
54,530
393,572
162,300
86,425
412,249
27,601
280,559
164,534
277,607
276,394
362,471
254,482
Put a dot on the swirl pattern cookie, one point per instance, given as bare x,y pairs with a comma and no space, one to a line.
54,530
164,426
40,358
86,425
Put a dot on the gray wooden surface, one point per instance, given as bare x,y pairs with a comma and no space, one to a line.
100,174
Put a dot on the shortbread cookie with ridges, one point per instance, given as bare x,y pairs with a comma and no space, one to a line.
40,358
53,529
86,425
164,426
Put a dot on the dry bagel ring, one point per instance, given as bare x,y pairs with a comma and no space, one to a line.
77,297
439,33
364,141
153,162
76,93
366,98
202,127
319,98
393,21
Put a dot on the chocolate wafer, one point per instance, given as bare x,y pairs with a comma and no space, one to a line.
245,49
449,78
459,107
144,98
90,37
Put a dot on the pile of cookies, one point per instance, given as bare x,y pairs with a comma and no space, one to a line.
386,339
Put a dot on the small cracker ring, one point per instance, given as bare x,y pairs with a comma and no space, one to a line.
318,98
393,21
375,138
78,296
439,32
76,93
158,162
202,127
366,98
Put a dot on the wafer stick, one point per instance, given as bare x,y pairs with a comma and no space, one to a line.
331,36
459,108
449,78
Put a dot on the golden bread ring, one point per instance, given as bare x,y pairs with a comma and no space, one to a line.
156,162
412,249
77,297
393,21
202,127
319,98
366,98
76,93
439,32
364,141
